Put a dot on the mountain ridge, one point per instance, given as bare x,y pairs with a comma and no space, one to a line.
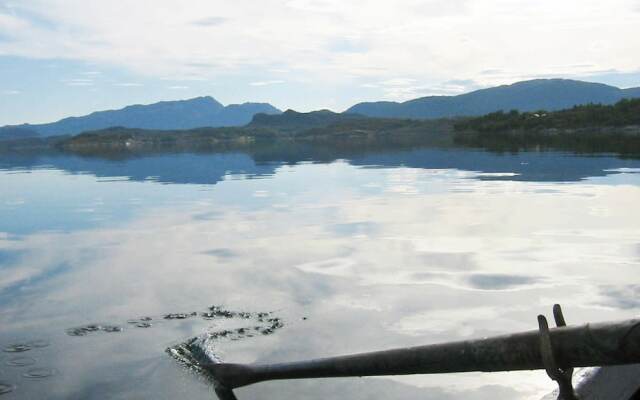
205,111
291,120
164,115
531,95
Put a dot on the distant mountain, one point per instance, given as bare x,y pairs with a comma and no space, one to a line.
539,94
165,115
292,120
547,94
16,132
632,92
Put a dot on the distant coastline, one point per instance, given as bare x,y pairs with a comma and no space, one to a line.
589,128
198,112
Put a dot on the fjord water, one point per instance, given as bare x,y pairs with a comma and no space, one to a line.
353,253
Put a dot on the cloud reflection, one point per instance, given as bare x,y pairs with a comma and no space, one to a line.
626,297
438,265
500,281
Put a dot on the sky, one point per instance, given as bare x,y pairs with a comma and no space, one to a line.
70,57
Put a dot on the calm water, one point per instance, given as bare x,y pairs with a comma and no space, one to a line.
366,252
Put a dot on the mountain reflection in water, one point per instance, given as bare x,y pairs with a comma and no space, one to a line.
352,251
211,168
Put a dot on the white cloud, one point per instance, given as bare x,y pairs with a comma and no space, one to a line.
11,92
332,41
79,82
400,89
178,87
266,83
193,78
398,82
9,23
209,21
128,84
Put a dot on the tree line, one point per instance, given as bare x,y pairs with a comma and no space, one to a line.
624,113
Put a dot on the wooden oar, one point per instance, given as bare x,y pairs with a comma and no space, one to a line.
556,350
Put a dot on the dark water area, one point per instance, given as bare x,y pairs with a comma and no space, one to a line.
108,265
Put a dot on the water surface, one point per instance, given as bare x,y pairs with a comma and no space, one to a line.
352,252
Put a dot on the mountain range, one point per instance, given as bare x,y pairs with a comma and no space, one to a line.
165,115
539,94
533,95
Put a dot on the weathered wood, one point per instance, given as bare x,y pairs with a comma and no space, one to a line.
614,343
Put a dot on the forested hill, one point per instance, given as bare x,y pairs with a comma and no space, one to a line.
587,129
624,113
291,120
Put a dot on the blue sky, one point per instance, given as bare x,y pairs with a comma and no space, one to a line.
70,57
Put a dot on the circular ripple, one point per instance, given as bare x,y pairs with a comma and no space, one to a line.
180,315
39,373
111,328
38,343
87,329
21,361
17,348
84,330
76,332
6,388
91,328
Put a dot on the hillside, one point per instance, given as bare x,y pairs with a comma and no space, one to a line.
165,115
588,128
326,125
547,94
16,132
295,121
317,127
624,113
